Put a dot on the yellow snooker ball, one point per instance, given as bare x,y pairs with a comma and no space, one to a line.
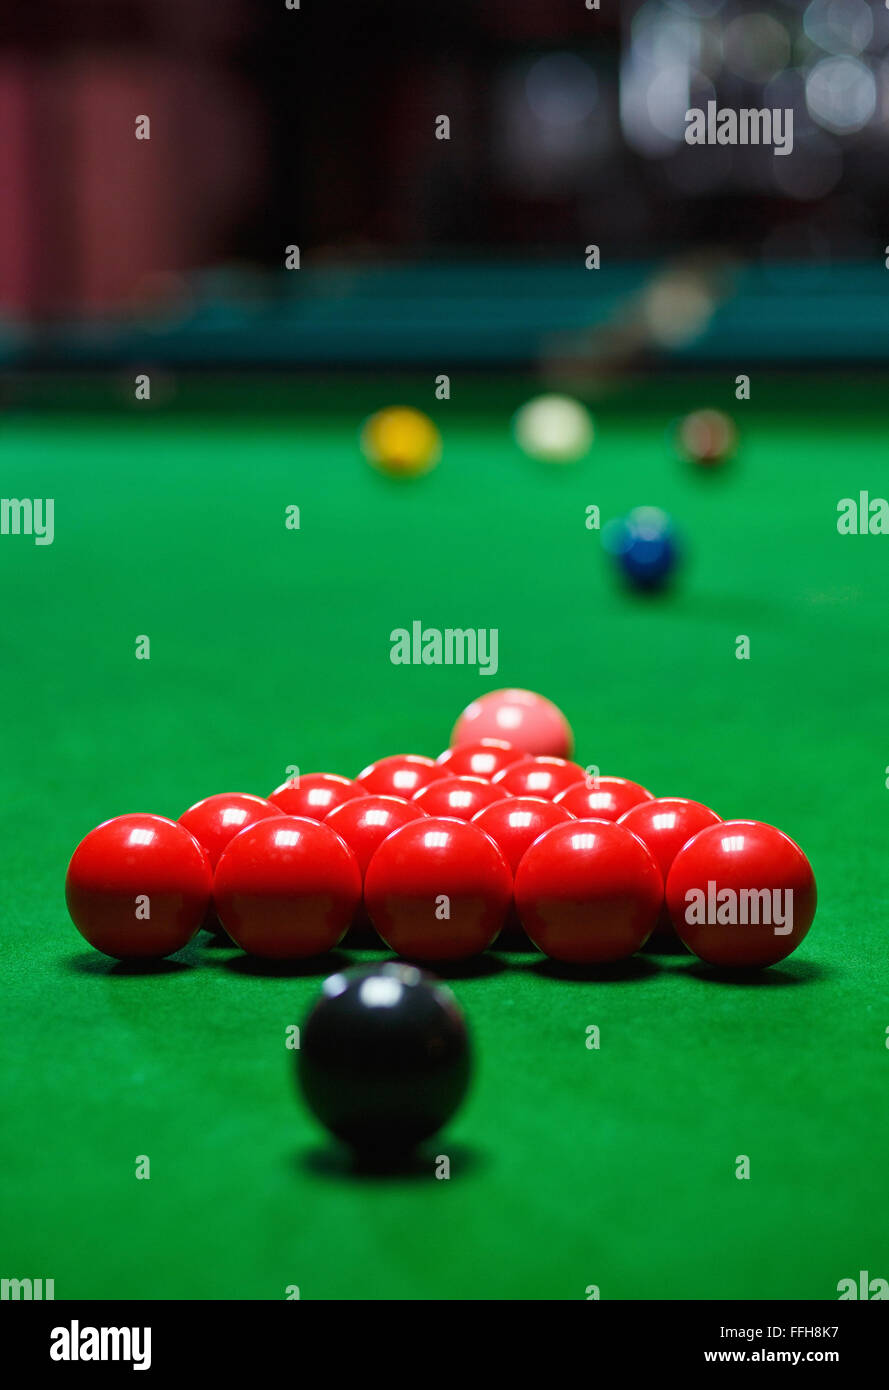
401,442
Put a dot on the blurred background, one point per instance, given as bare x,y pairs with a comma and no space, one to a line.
315,127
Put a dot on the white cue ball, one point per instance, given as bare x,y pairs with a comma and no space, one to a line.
554,429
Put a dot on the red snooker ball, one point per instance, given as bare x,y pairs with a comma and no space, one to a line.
287,888
313,794
457,796
484,758
218,819
741,894
515,823
664,825
528,721
438,890
365,823
138,887
588,892
401,774
602,798
541,776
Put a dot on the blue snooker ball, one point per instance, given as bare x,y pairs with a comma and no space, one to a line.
644,545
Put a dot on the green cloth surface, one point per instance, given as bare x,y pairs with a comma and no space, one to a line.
570,1167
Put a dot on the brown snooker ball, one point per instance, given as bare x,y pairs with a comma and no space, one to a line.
707,438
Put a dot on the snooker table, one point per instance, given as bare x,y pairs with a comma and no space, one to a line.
571,1167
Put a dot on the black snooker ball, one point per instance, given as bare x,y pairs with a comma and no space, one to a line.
384,1057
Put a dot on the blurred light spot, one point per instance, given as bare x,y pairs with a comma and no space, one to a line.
663,38
380,992
756,46
841,94
677,309
656,78
839,26
553,124
711,54
667,100
562,89
641,132
648,522
702,9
